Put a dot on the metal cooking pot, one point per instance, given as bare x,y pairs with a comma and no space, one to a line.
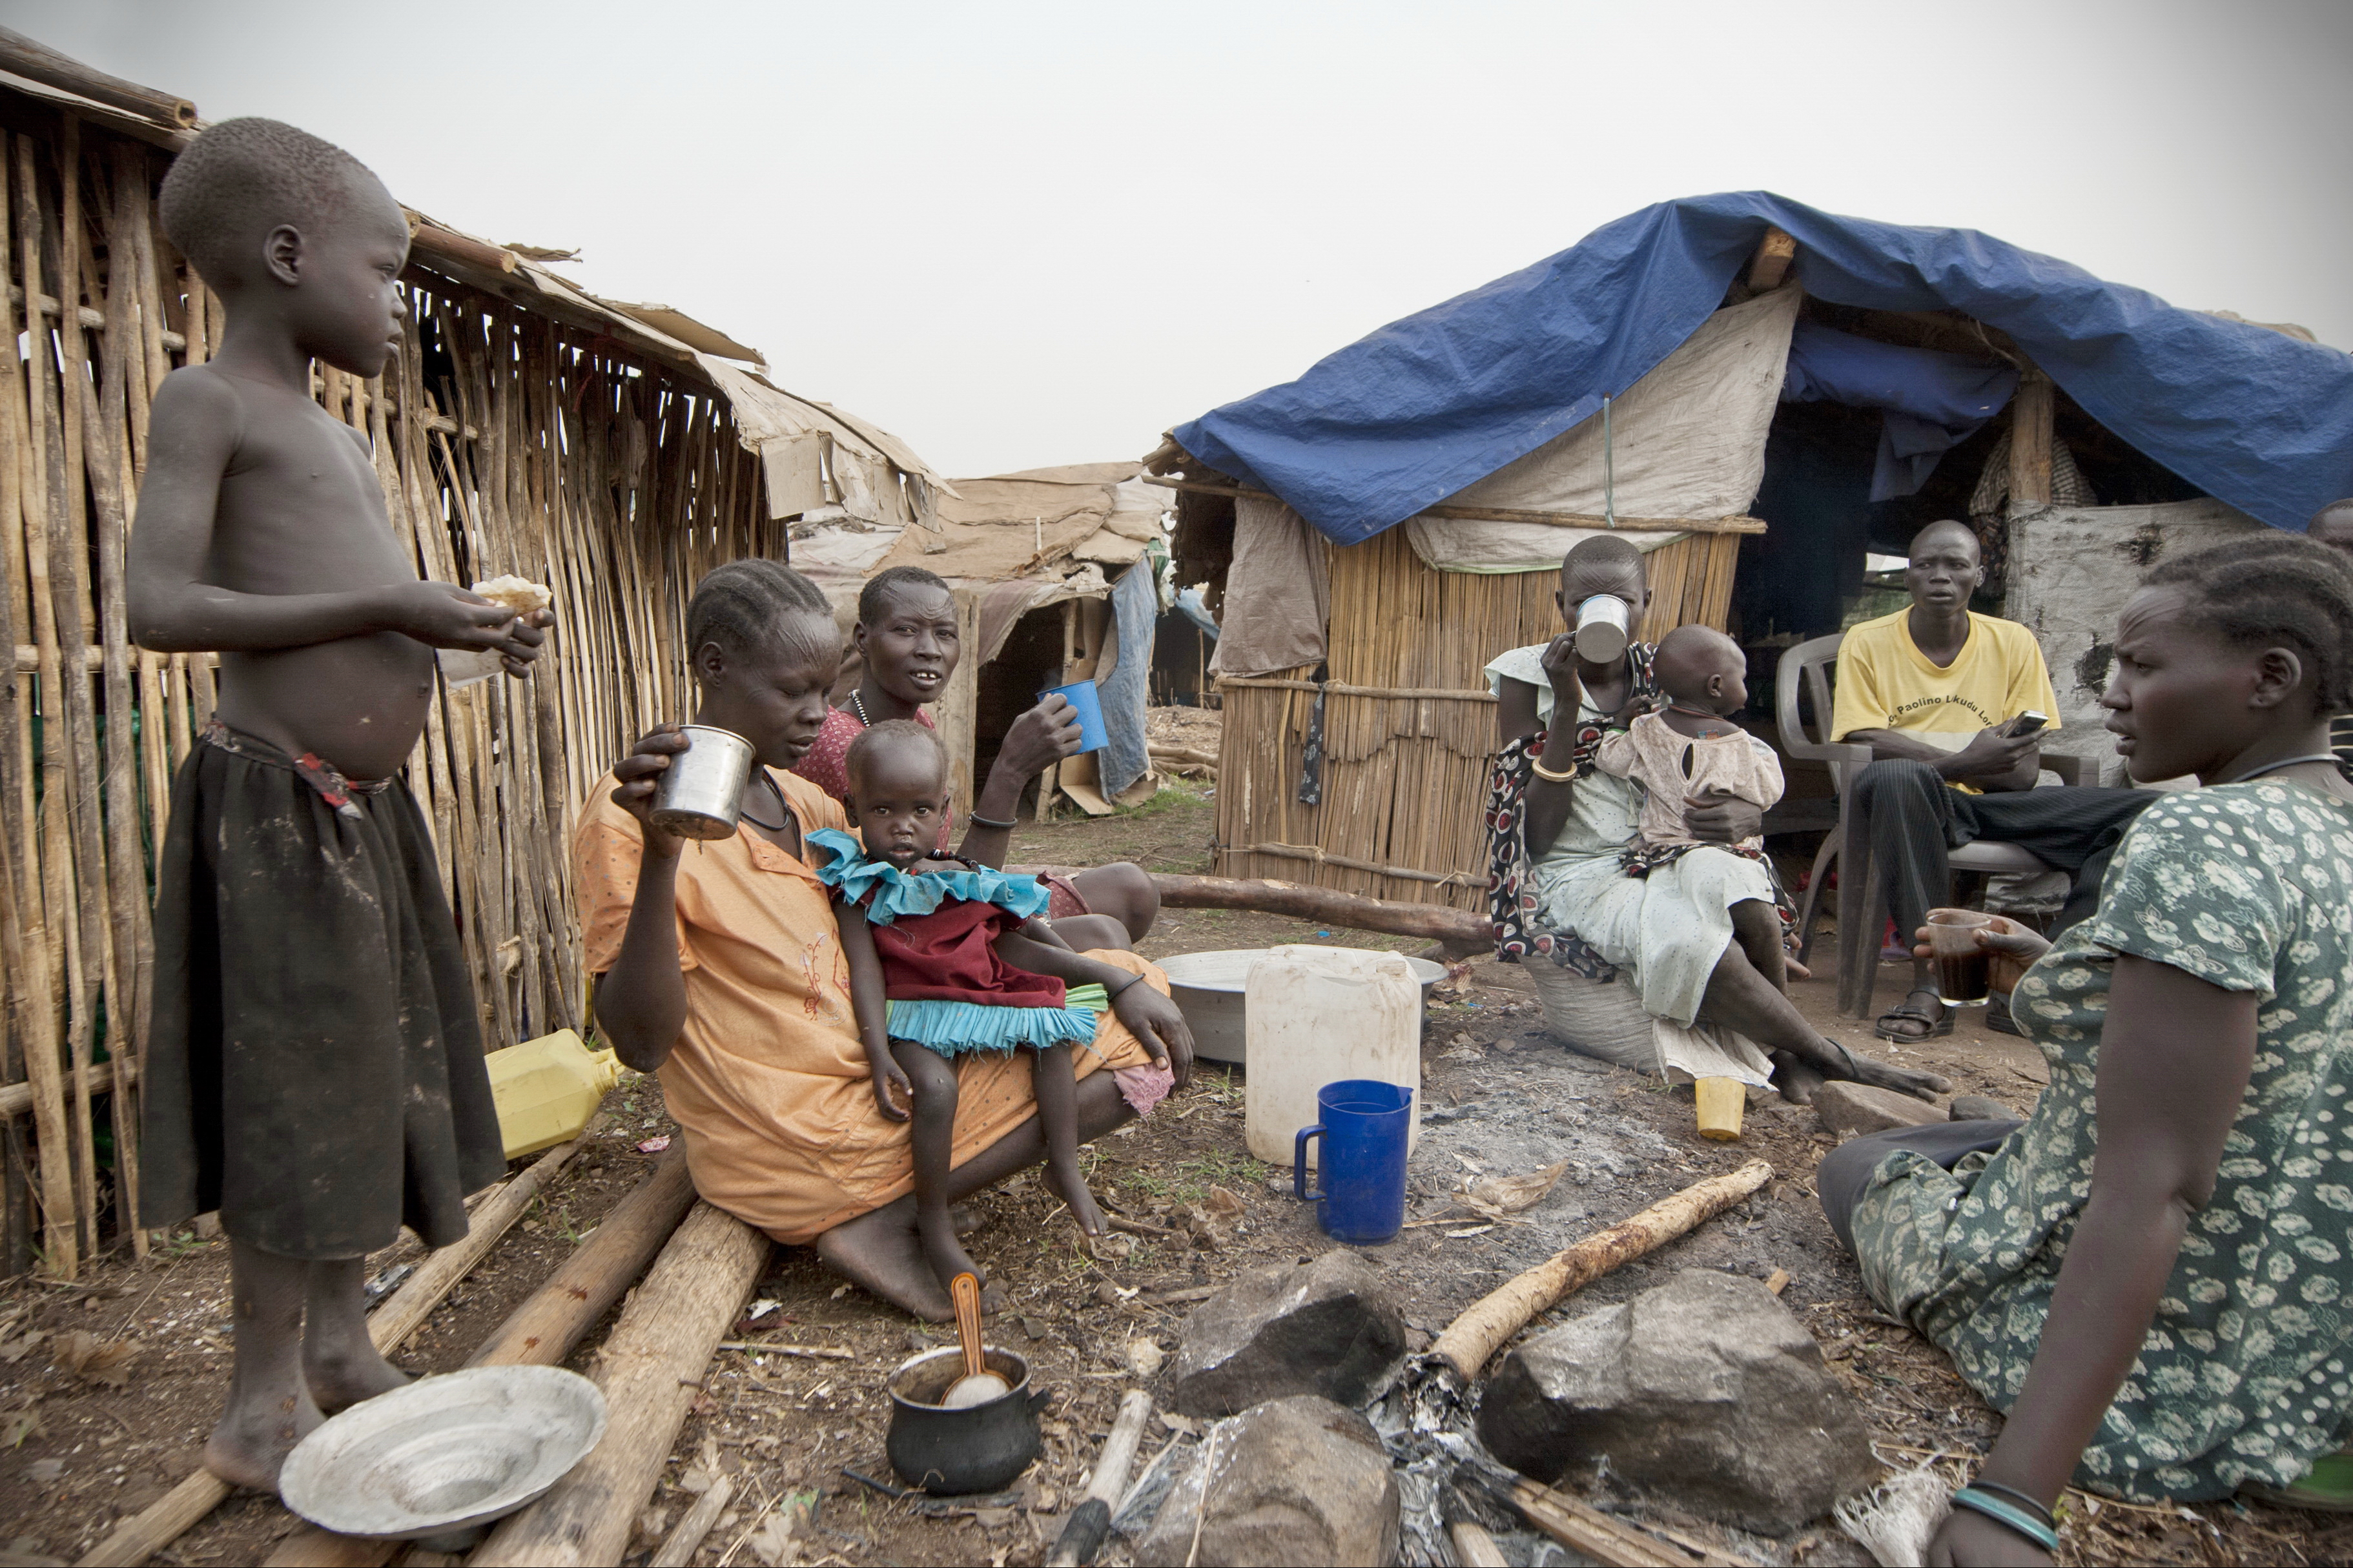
979,1448
702,791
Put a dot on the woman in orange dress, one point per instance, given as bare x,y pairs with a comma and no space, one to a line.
727,975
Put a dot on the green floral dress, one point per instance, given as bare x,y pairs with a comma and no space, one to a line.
2246,1374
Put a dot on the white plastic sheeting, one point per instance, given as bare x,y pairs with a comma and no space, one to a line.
1686,441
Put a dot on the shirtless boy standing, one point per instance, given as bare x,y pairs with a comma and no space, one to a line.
314,1068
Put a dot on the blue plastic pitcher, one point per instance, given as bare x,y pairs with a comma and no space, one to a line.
1362,1166
1081,695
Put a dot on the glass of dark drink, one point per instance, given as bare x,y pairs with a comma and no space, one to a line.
1964,970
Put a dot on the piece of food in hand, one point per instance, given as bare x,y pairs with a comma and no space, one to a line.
520,595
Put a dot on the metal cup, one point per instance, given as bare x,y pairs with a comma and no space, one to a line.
700,795
1601,629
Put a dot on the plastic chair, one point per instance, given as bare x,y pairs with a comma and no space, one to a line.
1863,908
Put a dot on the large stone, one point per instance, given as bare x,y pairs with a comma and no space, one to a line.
1848,1110
1327,1327
1705,1391
1293,1481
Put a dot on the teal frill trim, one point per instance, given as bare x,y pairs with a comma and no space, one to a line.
895,893
953,1028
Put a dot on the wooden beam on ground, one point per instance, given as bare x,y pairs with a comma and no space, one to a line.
543,1329
1496,1317
1433,923
2030,441
1771,262
650,1370
165,1520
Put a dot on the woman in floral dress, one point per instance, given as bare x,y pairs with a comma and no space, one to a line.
2148,1276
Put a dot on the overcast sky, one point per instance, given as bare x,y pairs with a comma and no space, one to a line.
1024,234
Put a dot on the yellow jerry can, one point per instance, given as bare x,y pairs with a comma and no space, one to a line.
547,1088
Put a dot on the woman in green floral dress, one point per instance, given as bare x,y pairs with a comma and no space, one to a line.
2176,1325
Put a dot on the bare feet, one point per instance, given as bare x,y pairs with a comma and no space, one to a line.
1796,1079
1073,1186
249,1444
1879,1075
883,1253
342,1378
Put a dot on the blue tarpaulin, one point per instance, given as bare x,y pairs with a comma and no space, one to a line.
1407,417
1933,401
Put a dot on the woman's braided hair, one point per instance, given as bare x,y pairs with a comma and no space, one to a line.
756,605
2271,588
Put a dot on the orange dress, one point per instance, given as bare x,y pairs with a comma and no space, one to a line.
768,1080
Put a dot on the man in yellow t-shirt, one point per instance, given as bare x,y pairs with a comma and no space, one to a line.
1942,697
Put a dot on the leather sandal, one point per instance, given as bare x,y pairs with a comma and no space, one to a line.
1936,1025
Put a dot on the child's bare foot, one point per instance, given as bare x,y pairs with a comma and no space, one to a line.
342,1378
948,1259
1073,1186
250,1444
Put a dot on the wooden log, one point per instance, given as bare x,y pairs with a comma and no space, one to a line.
1473,1547
1083,1531
1736,524
1496,1317
1605,1538
1434,923
1342,689
2030,441
1771,262
543,1329
147,1532
17,1099
679,1547
432,241
1182,756
650,1370
38,62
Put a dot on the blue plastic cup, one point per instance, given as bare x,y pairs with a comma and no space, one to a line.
1364,1129
1081,695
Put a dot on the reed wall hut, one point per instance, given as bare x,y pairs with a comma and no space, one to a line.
1759,395
611,451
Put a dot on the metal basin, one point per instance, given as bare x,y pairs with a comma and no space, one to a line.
1208,989
445,1453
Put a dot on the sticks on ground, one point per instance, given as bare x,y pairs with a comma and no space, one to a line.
1496,1317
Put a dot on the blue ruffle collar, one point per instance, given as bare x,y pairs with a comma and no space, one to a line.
886,893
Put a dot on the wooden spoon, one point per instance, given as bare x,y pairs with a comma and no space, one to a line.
978,1385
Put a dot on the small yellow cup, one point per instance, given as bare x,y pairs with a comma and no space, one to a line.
1721,1100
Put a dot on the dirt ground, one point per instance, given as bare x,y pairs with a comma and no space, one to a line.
79,1452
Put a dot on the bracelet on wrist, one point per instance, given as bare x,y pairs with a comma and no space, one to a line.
974,819
2010,1516
1115,996
2033,1505
1566,775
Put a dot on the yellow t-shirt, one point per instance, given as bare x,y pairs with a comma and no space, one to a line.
1885,682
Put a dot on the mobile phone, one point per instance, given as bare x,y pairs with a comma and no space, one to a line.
2027,723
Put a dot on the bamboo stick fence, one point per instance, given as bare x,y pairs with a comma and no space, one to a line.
505,440
1409,725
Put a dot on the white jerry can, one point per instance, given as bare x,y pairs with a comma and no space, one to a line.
1316,1015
